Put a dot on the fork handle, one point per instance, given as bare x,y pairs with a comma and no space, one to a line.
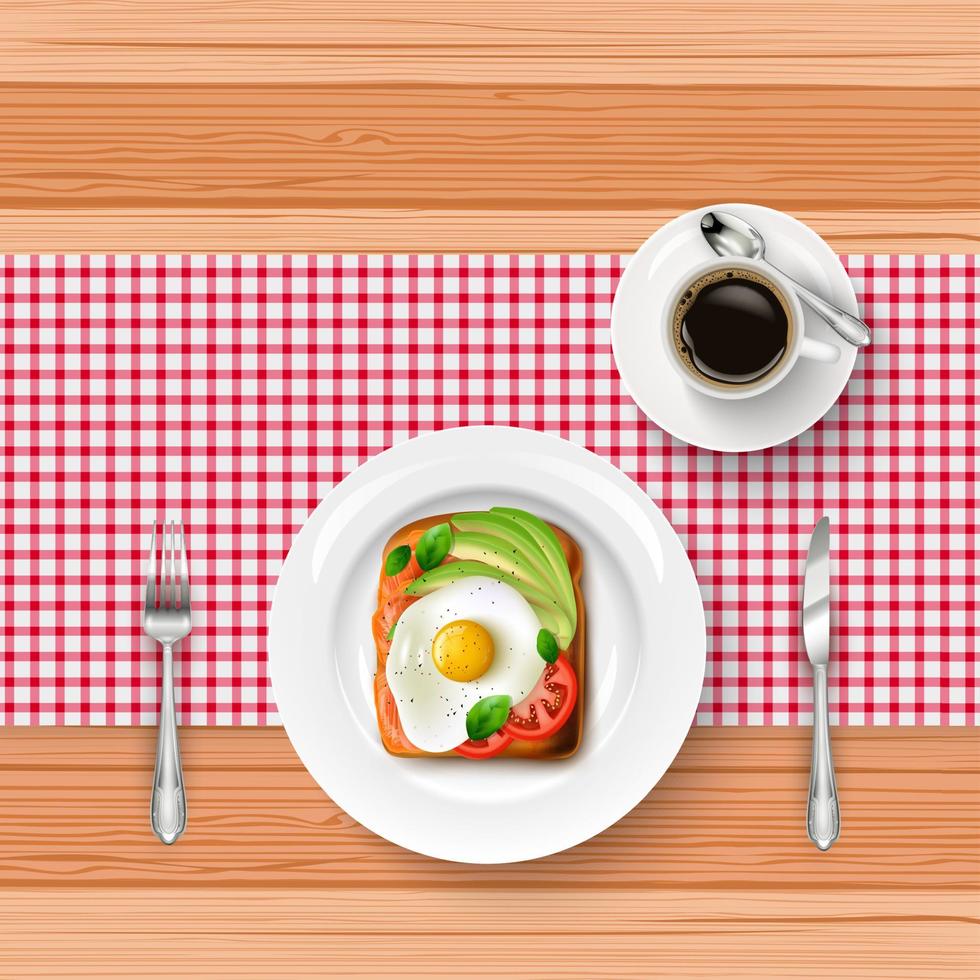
168,806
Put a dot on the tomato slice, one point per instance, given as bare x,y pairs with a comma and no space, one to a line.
548,706
485,748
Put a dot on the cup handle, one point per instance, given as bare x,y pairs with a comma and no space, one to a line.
817,350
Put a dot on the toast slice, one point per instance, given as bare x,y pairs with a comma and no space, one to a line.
392,601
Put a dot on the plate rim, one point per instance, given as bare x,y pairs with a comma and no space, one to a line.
658,522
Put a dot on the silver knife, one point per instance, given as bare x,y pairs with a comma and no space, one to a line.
823,812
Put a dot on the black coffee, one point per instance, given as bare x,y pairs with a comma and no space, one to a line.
732,327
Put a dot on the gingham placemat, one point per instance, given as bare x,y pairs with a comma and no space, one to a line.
235,391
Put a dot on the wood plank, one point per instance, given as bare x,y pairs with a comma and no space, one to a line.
486,147
901,43
181,230
534,932
728,814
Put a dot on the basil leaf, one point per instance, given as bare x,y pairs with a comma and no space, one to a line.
434,545
547,646
398,559
487,716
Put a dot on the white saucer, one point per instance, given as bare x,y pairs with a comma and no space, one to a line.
768,419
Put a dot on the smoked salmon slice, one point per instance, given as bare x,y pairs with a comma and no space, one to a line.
392,602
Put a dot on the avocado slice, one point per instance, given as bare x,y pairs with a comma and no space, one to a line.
549,544
513,535
497,553
547,608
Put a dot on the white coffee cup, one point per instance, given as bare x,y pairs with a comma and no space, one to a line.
799,344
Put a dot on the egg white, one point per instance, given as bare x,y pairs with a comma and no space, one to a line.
433,708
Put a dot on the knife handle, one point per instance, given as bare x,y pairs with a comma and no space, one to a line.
823,812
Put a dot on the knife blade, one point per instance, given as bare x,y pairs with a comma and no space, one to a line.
816,595
823,810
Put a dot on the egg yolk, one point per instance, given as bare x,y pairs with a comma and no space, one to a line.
462,650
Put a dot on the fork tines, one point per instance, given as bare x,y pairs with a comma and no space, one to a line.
167,590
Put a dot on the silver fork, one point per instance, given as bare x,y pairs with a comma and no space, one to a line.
167,623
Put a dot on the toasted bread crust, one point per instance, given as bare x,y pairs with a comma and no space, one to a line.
391,603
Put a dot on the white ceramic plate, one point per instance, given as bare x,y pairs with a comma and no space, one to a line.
774,416
645,649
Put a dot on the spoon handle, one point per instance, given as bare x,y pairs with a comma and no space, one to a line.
853,330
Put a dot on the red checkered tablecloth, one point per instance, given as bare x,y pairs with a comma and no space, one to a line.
235,391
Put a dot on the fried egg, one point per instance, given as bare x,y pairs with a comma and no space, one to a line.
462,643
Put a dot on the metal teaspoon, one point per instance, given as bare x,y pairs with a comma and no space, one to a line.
735,238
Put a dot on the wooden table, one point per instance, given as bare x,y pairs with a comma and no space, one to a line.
711,874
193,125
317,126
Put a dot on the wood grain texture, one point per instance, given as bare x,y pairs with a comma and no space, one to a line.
728,813
221,230
530,933
485,147
317,127
711,873
902,43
